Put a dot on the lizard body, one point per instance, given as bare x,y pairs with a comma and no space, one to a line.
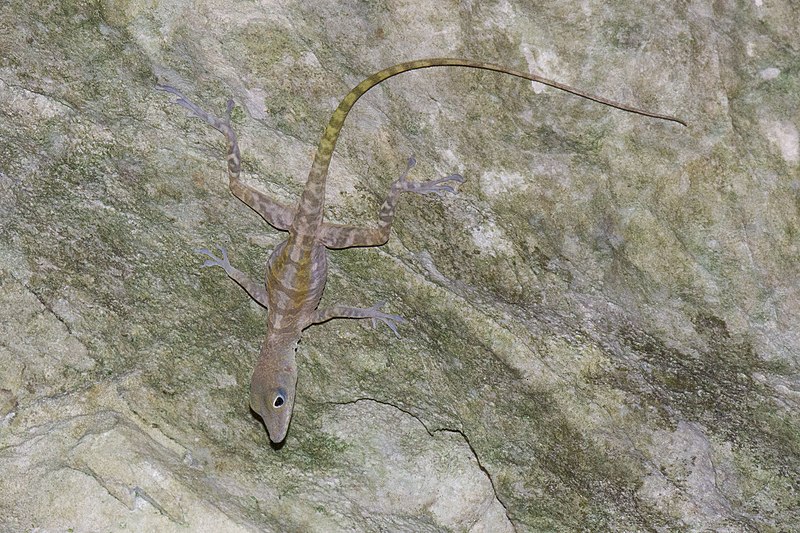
297,269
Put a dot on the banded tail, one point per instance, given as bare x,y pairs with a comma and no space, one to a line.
309,211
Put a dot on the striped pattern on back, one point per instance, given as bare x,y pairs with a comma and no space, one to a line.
295,282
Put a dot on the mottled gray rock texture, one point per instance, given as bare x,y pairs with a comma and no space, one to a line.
602,324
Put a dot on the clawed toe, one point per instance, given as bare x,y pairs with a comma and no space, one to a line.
214,260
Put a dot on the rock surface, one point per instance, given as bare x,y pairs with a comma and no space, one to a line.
602,325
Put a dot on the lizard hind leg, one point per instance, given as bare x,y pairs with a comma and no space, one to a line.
223,126
275,213
342,236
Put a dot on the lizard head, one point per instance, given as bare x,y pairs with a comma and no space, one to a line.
272,394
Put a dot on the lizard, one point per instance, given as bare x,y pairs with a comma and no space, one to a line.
297,269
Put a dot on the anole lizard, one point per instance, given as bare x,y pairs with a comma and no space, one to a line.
297,269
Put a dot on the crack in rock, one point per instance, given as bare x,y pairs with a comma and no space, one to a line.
433,433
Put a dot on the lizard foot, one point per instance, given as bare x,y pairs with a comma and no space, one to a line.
437,186
216,261
223,126
374,313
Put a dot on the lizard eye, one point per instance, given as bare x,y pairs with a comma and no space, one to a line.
279,401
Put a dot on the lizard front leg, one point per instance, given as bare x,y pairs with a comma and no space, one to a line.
256,291
342,236
374,313
275,213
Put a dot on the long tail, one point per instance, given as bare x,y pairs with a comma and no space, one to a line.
309,213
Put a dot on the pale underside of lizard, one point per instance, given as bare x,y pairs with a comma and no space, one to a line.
297,269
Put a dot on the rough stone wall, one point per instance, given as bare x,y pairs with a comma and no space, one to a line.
602,325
